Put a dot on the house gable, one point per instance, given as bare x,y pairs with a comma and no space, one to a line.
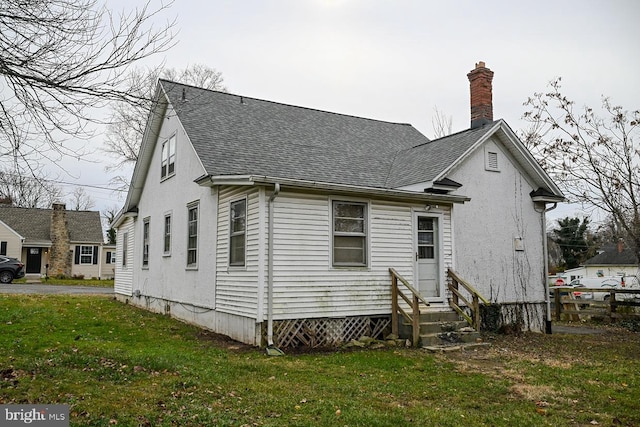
442,157
10,241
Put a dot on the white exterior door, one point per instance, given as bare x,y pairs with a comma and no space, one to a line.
427,256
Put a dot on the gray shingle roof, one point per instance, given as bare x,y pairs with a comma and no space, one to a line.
35,223
425,162
235,135
611,256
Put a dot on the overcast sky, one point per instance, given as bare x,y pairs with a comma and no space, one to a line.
398,60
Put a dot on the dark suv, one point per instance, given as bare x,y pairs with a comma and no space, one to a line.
10,268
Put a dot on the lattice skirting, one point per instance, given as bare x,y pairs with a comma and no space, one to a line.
327,332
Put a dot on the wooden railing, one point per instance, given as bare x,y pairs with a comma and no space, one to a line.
457,296
413,301
577,308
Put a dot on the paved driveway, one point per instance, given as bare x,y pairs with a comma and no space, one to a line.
29,288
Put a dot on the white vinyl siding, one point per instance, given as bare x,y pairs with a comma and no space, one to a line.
305,284
237,288
124,271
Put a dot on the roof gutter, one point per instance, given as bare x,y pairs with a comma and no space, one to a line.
211,181
122,216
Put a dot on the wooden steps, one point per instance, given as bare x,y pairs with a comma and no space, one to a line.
441,328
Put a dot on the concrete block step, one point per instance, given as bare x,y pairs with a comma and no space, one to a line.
449,338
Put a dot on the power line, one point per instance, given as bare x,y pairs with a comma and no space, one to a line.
53,181
98,187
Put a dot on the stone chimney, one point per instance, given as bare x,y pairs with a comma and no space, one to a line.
481,98
60,256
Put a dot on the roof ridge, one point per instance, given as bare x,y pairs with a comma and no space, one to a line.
484,126
288,105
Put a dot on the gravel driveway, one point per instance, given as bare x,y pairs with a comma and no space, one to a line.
29,288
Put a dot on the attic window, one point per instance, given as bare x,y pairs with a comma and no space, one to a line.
491,161
168,161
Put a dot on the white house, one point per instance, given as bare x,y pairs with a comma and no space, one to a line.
260,220
613,260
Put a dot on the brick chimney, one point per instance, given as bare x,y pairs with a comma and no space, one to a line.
481,99
60,256
620,246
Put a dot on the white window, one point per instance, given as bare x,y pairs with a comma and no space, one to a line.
237,229
111,257
168,161
86,254
125,243
349,234
192,232
167,234
145,242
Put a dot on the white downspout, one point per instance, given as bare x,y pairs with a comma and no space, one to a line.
546,267
276,191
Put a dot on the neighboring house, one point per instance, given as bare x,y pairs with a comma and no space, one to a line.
108,260
264,221
612,260
52,241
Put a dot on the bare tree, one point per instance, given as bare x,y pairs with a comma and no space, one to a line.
595,158
441,124
26,191
128,121
80,200
60,59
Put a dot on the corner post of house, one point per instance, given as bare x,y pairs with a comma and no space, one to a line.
416,321
394,304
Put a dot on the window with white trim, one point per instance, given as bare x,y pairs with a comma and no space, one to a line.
111,257
125,244
237,233
86,254
145,242
167,235
168,160
192,233
349,234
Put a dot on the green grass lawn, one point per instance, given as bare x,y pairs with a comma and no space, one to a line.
118,365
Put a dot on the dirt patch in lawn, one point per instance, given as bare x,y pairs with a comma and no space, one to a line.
555,350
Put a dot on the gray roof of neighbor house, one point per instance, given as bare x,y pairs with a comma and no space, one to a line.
611,256
236,135
35,224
